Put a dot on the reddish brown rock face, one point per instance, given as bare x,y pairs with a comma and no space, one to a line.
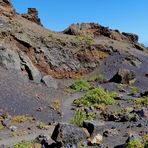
32,15
6,8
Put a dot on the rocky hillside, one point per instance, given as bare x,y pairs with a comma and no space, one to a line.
38,72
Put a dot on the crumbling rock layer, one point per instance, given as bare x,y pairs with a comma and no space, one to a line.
33,51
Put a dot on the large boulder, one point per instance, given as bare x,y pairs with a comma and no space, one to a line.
50,81
66,134
20,63
123,76
93,127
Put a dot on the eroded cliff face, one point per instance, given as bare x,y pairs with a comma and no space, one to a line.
33,51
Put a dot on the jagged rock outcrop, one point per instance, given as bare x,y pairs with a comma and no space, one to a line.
56,54
6,8
32,15
132,37
95,30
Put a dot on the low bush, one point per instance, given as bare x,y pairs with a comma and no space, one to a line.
80,85
134,144
100,77
80,117
21,118
23,145
140,102
133,90
95,97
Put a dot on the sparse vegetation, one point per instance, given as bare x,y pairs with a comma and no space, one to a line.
19,133
23,145
1,127
145,139
86,39
134,144
50,34
80,85
121,88
41,125
133,90
95,97
56,104
80,116
21,118
140,102
94,78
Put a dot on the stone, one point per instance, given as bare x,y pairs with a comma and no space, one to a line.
13,128
144,94
123,76
6,122
97,139
143,112
37,145
93,127
65,133
110,132
133,137
50,81
44,137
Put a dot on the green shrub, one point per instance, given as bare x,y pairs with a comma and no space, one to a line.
85,39
92,78
1,127
133,90
80,85
140,102
41,125
80,117
100,77
96,96
145,139
21,118
134,144
23,145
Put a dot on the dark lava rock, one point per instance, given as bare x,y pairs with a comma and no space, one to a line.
123,76
143,112
50,81
144,94
134,137
93,127
65,133
110,132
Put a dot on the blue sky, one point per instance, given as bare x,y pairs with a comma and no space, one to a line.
124,15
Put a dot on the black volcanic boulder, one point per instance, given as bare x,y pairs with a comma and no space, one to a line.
123,76
67,134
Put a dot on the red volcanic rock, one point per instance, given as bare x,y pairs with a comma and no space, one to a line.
6,8
96,30
32,15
